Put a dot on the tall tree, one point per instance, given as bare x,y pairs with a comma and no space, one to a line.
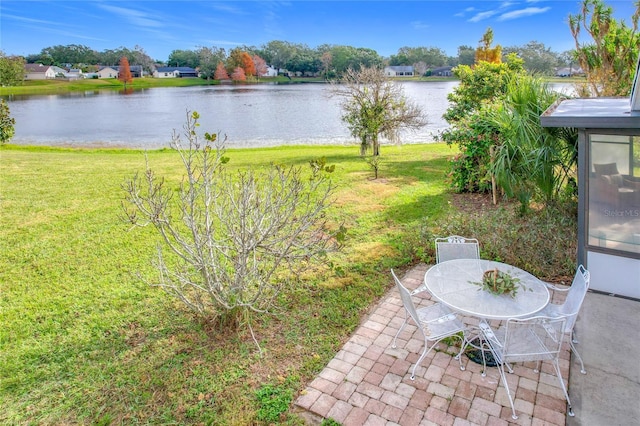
221,72
538,59
349,57
485,52
209,58
610,60
373,105
247,64
124,71
326,60
141,58
260,66
11,70
431,56
240,58
466,55
113,56
70,54
183,58
277,53
238,74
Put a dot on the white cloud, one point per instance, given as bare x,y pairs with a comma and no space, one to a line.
223,43
529,11
482,16
419,25
465,11
134,17
225,7
51,27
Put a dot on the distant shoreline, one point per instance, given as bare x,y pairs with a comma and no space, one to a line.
59,86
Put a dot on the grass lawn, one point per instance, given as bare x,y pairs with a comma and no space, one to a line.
85,341
45,87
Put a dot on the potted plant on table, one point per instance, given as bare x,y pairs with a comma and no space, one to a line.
498,282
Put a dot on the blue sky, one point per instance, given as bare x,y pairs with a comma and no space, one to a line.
161,26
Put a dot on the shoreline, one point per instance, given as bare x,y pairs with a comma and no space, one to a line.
108,146
57,87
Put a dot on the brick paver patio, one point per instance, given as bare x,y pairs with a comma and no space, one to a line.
368,382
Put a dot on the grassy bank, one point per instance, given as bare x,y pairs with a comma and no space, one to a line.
84,341
44,87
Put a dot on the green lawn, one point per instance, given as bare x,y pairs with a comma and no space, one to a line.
45,87
83,340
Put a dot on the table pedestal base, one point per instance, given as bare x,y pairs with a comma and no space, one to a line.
474,354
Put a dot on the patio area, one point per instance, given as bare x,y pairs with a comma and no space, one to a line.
368,383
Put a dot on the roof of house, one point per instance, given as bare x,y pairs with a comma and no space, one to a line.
401,68
33,68
439,69
117,67
179,69
36,67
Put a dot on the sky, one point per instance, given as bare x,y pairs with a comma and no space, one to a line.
161,26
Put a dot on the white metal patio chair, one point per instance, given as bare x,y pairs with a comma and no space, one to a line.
571,307
436,322
532,339
454,247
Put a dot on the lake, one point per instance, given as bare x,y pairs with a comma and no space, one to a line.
250,116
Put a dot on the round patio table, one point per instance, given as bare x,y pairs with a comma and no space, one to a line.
452,283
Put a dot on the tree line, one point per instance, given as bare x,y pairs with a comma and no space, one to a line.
326,60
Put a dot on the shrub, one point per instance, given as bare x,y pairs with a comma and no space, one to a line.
542,242
231,243
7,123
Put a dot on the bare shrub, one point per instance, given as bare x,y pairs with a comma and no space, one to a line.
232,241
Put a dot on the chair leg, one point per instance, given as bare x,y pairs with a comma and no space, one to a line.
426,350
564,388
406,318
503,376
572,343
463,345
575,351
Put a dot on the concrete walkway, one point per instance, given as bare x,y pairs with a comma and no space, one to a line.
368,383
609,394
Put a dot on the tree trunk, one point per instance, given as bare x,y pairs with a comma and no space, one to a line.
375,145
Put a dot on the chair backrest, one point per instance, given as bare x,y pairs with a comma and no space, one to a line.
407,301
533,339
575,296
456,247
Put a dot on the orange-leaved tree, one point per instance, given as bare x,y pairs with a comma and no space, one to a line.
240,58
124,71
221,72
247,64
485,52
